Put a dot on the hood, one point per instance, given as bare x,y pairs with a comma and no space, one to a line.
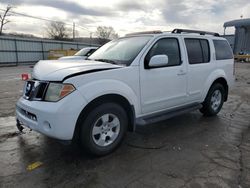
58,70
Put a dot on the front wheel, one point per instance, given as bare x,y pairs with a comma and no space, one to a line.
103,129
214,100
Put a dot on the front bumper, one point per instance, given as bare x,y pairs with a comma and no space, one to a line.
53,119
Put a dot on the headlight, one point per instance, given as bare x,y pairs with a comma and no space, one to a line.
57,91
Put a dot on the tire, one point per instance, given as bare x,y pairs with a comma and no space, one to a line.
103,129
214,100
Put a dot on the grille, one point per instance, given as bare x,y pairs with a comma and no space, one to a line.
35,90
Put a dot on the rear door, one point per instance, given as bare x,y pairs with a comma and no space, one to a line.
200,65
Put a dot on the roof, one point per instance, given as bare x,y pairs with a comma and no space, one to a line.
91,47
238,23
167,34
183,32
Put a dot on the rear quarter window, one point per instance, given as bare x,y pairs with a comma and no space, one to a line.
222,50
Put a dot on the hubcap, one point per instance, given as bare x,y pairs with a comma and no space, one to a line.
216,100
106,129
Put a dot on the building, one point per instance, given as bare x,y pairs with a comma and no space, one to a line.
242,35
230,39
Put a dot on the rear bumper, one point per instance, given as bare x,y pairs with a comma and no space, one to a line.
53,119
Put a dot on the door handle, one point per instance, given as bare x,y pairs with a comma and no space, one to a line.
181,72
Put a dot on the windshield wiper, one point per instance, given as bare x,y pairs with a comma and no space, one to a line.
106,61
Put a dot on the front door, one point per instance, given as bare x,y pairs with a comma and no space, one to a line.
163,87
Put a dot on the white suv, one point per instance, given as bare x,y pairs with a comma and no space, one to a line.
135,80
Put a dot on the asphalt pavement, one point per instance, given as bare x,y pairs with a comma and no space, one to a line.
186,151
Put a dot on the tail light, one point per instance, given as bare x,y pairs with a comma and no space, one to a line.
25,77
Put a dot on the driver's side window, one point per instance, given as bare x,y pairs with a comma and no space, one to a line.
165,46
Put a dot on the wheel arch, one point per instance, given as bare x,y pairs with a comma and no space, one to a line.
223,82
117,98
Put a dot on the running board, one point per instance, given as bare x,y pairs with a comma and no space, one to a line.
166,115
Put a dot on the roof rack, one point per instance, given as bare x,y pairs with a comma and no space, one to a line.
144,32
195,31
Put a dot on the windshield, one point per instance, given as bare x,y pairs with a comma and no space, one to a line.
120,51
84,52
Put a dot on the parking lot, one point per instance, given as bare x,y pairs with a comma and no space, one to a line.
185,151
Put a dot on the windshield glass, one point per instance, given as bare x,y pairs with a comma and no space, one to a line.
82,52
120,51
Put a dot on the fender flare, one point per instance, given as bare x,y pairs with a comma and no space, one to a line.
99,88
219,73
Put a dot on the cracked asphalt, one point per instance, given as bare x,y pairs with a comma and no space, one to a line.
186,151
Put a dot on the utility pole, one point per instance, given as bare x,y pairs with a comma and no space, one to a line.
91,38
74,30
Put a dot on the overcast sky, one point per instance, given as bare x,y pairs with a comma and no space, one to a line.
125,15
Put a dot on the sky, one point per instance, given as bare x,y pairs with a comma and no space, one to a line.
125,16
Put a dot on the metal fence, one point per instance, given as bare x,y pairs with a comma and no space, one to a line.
17,51
230,39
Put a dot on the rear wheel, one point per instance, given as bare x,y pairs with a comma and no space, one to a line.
214,100
103,129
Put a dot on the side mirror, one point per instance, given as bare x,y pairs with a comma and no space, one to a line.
158,61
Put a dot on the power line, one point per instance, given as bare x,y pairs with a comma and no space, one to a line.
45,19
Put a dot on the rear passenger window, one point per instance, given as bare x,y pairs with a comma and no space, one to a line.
222,50
166,46
198,51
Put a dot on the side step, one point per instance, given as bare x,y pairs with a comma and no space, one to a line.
166,115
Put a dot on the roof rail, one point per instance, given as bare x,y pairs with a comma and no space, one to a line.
195,31
144,32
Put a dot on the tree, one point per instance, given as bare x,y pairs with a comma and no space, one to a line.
3,18
57,31
105,34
